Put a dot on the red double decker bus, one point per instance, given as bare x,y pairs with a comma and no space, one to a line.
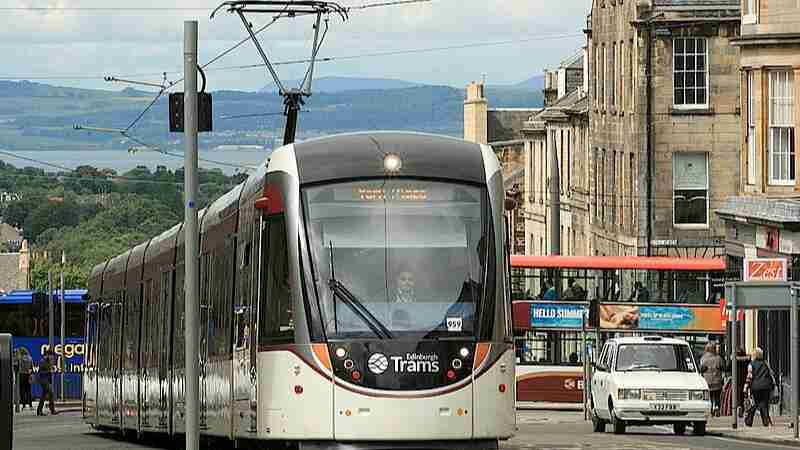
561,303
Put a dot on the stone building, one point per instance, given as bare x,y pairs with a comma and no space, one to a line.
664,119
764,220
14,269
562,126
502,129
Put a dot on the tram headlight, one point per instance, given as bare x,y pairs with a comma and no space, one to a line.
341,352
464,352
392,162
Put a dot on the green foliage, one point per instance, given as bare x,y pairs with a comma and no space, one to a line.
92,215
74,276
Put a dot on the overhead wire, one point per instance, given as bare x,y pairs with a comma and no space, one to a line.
530,38
157,149
108,178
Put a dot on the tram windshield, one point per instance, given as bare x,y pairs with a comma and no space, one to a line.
395,258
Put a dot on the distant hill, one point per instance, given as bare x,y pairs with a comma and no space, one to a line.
343,84
534,83
40,116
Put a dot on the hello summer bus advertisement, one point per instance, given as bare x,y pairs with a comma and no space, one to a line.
623,316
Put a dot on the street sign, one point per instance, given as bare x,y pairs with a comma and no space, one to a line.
6,392
760,295
765,269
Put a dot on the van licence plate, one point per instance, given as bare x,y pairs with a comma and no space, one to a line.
663,406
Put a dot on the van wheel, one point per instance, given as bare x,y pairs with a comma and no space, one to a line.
699,429
616,422
679,428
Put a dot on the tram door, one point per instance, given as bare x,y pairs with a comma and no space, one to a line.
116,365
164,311
245,314
205,338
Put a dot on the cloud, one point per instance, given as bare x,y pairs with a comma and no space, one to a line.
58,42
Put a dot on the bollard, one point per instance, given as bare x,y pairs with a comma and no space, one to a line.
6,392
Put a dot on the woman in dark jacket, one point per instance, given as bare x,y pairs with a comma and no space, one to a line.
760,383
711,366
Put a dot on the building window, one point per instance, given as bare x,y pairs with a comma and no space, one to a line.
690,73
751,131
750,12
613,188
596,58
690,189
603,66
603,186
596,184
781,127
622,72
631,196
631,64
613,82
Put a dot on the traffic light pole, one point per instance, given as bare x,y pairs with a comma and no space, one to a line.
63,323
50,313
192,285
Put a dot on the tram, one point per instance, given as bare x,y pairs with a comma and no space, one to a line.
354,291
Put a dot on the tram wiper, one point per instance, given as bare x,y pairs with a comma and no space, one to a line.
355,305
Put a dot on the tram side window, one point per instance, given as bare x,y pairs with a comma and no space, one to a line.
276,322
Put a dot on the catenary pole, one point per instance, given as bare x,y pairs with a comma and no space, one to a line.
63,321
795,347
191,304
50,312
734,367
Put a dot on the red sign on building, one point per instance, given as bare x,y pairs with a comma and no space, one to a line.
765,269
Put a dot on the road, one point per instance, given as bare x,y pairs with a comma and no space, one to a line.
538,430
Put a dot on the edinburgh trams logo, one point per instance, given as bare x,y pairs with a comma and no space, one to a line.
378,363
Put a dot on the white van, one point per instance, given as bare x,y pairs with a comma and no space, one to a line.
648,381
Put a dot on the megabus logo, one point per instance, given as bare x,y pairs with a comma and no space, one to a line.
67,350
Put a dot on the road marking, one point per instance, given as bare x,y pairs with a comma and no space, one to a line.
740,441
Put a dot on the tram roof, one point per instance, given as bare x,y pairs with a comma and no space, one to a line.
21,297
618,262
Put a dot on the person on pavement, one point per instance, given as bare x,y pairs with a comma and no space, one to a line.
45,380
711,367
25,372
759,383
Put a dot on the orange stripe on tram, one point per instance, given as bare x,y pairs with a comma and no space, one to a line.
321,352
481,352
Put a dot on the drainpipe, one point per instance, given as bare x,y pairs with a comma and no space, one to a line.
649,136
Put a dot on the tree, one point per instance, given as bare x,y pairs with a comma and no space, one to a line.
74,277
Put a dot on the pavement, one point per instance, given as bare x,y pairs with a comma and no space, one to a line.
781,431
536,430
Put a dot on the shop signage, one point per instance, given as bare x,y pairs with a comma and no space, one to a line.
765,269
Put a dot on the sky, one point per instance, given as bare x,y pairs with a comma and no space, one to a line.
78,47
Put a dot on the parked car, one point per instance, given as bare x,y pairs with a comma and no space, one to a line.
648,381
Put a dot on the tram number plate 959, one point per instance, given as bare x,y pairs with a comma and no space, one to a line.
663,406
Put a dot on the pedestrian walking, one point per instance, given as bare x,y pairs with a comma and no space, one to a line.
712,367
25,373
742,363
760,382
45,380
